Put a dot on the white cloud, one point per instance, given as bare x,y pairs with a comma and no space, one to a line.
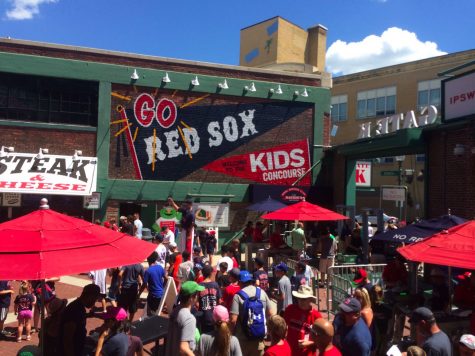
25,9
394,46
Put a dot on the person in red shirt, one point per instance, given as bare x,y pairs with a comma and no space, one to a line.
197,268
276,239
232,289
258,234
395,273
277,331
322,335
300,318
464,293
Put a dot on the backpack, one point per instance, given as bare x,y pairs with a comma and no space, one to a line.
49,293
253,318
191,275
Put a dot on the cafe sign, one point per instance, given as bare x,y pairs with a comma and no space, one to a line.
397,122
49,174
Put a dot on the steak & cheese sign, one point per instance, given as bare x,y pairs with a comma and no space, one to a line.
50,174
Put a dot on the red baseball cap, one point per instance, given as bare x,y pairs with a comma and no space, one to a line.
360,276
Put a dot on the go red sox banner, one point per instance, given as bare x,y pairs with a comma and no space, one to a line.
281,165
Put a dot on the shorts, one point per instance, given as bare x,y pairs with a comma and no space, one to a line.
210,251
112,295
3,314
153,303
325,264
25,315
128,299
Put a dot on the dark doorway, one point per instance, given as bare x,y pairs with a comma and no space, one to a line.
127,209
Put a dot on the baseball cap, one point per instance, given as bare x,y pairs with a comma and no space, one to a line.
421,313
107,224
172,244
245,276
281,267
197,249
190,288
304,292
198,266
235,272
468,340
220,313
115,313
360,275
350,305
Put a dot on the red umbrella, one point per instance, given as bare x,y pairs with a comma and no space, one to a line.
45,244
304,211
454,247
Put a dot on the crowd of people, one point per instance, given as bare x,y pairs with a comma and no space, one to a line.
223,308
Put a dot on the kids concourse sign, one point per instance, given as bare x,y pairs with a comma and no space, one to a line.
50,174
169,140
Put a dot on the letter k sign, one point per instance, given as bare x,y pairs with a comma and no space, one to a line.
360,176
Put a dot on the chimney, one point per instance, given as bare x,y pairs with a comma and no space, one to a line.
316,48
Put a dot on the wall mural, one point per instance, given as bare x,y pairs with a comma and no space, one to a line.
168,137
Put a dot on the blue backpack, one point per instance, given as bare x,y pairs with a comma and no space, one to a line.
253,319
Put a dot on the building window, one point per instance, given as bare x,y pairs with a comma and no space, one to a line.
339,110
420,157
428,93
376,102
51,100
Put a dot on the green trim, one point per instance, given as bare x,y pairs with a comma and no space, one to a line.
47,126
119,189
393,144
103,129
322,105
95,71
350,183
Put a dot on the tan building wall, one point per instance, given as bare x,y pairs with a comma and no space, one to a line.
405,77
277,41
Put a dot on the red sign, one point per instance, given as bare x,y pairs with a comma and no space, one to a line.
293,195
281,165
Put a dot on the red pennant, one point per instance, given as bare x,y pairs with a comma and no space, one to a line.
279,165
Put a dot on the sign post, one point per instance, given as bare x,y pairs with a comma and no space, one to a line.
396,193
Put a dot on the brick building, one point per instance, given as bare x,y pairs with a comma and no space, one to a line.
364,103
159,126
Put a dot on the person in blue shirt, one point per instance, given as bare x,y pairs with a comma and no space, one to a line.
154,281
352,335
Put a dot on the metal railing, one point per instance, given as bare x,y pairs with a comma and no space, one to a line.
314,282
341,285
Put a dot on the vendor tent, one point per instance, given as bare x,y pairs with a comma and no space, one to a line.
304,211
454,247
268,204
419,231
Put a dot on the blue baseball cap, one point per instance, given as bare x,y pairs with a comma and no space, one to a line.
245,276
281,267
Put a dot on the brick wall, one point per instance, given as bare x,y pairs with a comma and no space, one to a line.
30,140
154,64
451,178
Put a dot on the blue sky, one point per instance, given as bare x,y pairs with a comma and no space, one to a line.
362,34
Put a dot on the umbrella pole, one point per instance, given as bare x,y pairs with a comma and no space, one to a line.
42,314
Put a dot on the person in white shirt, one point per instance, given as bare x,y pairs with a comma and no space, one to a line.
162,251
137,226
168,236
370,230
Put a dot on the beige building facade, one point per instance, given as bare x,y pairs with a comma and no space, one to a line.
377,103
